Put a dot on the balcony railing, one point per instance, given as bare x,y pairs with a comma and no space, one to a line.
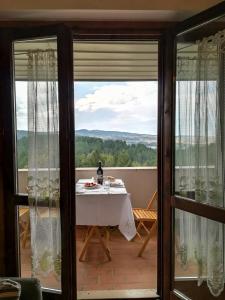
141,182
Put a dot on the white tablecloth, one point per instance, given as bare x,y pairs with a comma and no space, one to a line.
105,206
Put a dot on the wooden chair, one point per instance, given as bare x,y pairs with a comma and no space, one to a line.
24,222
143,215
151,232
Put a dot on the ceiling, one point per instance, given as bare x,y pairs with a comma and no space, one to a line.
97,15
138,10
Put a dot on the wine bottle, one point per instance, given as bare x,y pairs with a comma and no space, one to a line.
100,173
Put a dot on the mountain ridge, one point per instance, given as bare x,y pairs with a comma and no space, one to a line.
130,138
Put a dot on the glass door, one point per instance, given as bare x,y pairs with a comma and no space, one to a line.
116,99
198,247
41,157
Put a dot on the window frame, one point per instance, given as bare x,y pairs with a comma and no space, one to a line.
64,34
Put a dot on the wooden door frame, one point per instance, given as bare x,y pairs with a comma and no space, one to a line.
110,34
124,30
6,96
67,175
176,201
167,121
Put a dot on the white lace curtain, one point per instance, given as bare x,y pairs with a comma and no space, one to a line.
43,163
200,159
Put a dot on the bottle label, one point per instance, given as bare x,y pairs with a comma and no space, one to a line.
99,178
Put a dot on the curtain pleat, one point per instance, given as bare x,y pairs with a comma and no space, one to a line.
43,163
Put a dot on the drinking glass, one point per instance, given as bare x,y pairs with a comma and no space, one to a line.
106,185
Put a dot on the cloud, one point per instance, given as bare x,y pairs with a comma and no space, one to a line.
121,106
134,105
21,105
46,113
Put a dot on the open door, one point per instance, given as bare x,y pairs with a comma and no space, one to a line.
37,71
193,170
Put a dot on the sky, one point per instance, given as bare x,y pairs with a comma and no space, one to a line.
117,106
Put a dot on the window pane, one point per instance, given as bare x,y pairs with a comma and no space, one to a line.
199,256
22,77
25,250
37,158
199,137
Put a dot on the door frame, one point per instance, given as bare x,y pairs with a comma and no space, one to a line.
167,125
66,148
167,203
109,34
113,31
178,202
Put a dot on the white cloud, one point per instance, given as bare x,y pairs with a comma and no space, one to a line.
21,105
128,106
135,105
119,97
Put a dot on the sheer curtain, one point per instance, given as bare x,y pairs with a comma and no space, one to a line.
200,158
43,163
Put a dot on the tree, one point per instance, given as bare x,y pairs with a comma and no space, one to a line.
123,159
89,150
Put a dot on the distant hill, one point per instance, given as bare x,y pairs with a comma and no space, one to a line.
148,140
113,148
130,138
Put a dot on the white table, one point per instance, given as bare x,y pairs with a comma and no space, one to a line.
105,206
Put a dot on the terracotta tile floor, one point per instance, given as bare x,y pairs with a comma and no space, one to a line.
125,271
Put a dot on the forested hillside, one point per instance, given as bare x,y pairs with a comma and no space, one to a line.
112,153
89,150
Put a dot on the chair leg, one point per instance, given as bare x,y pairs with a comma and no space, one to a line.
145,228
144,245
137,232
139,225
25,233
147,239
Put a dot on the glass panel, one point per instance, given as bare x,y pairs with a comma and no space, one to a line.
116,101
24,242
22,77
199,137
199,256
25,250
37,157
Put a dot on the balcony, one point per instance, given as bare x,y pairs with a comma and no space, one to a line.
126,271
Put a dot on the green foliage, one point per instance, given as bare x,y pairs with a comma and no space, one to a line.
112,153
193,155
183,186
89,150
22,153
200,189
215,191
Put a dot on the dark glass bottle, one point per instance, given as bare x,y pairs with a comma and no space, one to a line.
100,173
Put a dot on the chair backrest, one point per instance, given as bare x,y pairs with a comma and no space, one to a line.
152,200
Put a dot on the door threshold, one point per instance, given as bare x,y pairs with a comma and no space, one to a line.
118,294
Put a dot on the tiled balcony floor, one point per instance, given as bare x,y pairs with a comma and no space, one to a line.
125,271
